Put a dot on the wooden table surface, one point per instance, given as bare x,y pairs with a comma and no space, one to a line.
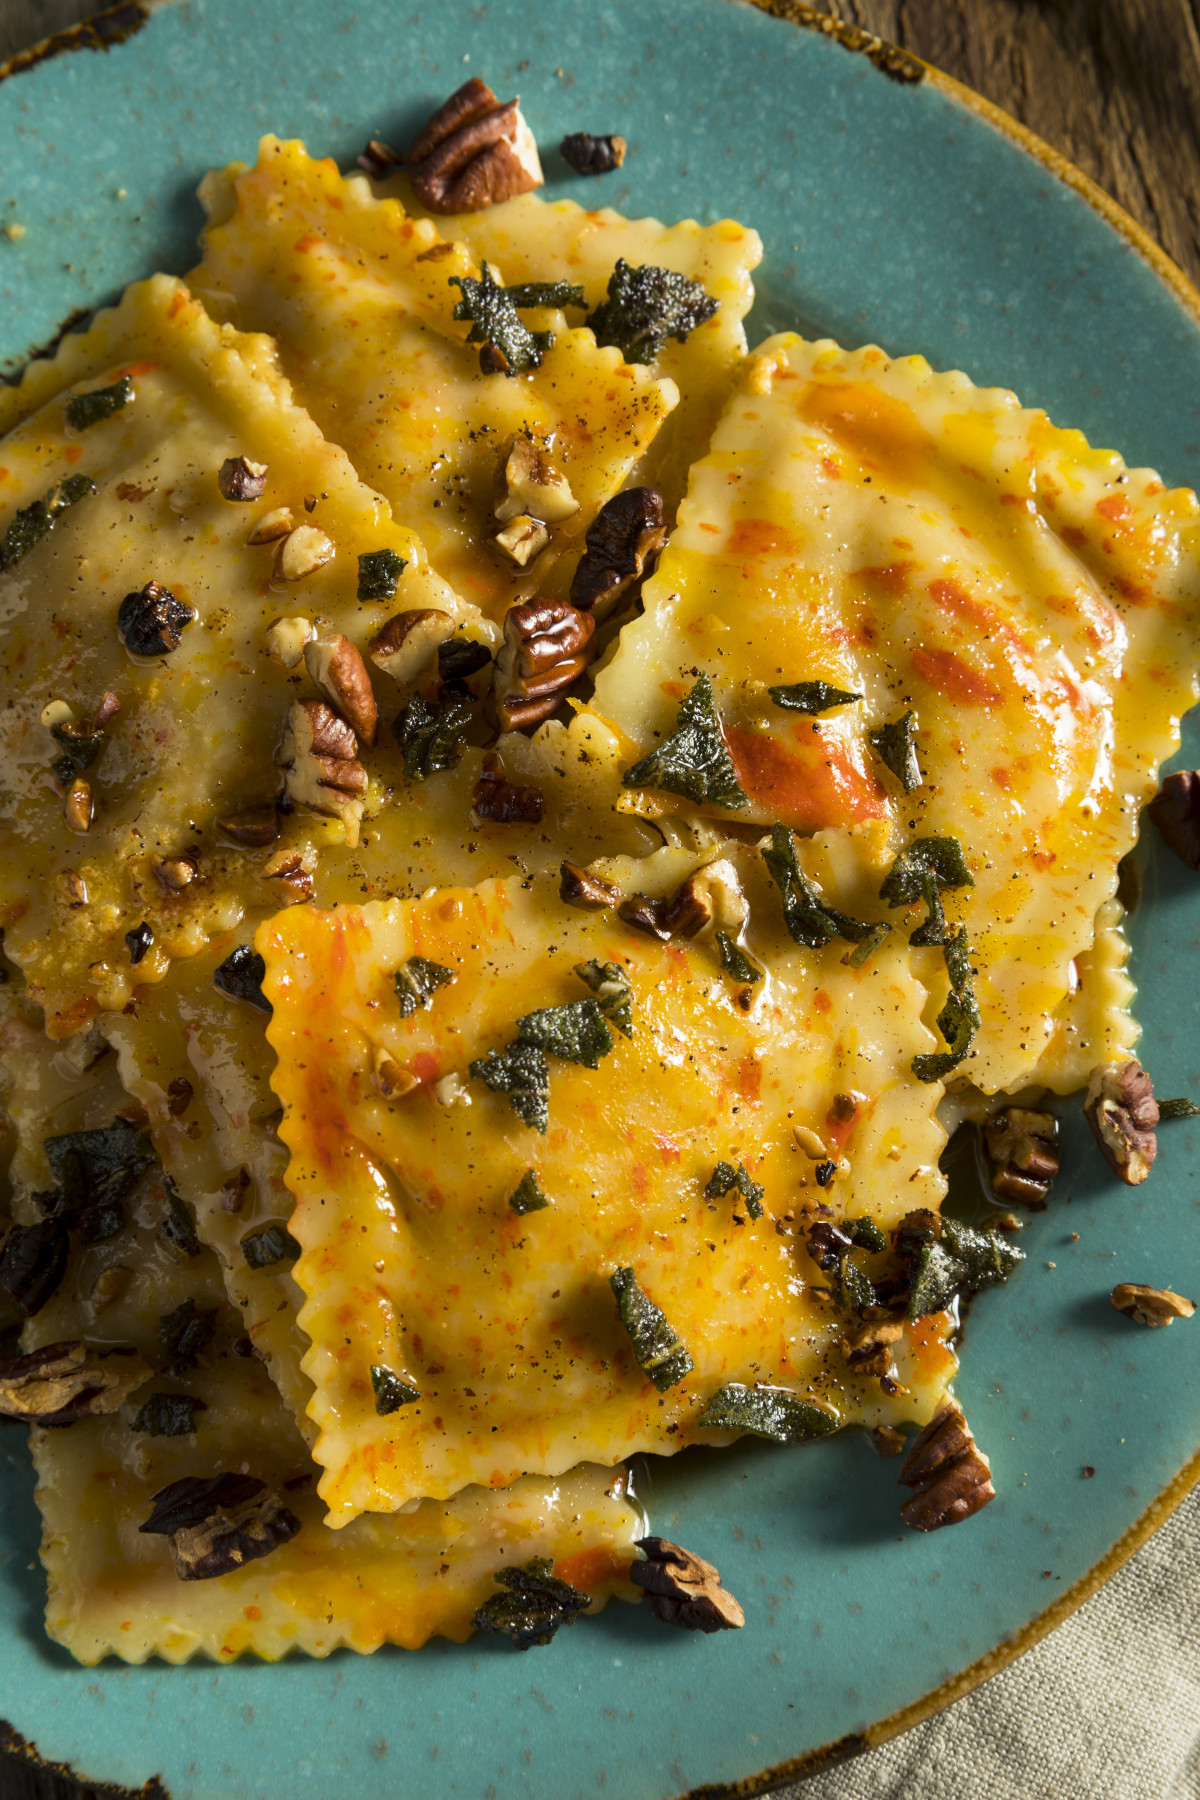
1113,84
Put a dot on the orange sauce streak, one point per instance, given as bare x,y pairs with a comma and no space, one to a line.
761,537
946,672
881,431
590,1569
817,782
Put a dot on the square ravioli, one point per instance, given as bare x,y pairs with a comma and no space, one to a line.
143,711
361,300
524,1136
920,605
205,1406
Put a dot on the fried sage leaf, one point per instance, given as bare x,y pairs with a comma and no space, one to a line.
219,1523
378,573
94,1169
35,521
1177,1109
417,980
646,306
956,1262
509,347
391,1392
768,1412
576,1032
808,917
168,1415
921,872
727,1176
430,736
811,697
240,976
959,1018
734,960
527,1196
521,1073
63,1382
547,293
534,1605
33,1261
177,1231
662,1356
614,996
273,1244
694,761
896,747
86,410
185,1335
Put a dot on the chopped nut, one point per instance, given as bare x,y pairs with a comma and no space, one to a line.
63,1382
529,485
1175,809
589,155
108,1286
495,797
392,1081
274,524
682,1589
240,479
255,828
318,755
176,872
379,159
294,867
408,643
887,1441
82,1052
78,807
452,1090
624,538
808,1141
219,1524
589,892
868,1351
179,1092
1148,1305
1023,1147
302,552
56,712
952,1476
546,648
338,669
1122,1112
234,1189
523,538
709,897
473,153
287,640
151,622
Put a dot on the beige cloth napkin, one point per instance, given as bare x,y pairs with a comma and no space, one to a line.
1105,1708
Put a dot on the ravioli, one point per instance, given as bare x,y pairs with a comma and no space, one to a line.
428,1256
114,1591
196,731
359,298
933,550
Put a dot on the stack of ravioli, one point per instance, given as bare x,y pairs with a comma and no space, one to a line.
424,1194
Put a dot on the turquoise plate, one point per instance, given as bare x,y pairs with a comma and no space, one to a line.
892,210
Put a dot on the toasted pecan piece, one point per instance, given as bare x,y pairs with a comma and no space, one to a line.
682,1589
951,1474
473,153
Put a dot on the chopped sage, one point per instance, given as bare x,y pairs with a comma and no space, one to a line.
661,1355
168,1415
33,1261
727,1176
734,960
93,1169
528,1196
185,1335
811,697
865,1233
959,1018
273,1244
646,306
921,872
768,1412
1177,1109
80,747
509,347
547,293
521,1073
807,916
429,735
576,1032
177,1232
534,1605
378,573
855,1288
896,746
86,410
957,1262
614,996
391,1393
100,1223
417,980
866,948
35,521
694,761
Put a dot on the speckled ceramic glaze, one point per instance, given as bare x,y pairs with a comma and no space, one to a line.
891,212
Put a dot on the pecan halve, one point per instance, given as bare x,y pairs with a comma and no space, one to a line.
63,1382
547,646
1122,1112
318,755
337,668
495,797
1023,1149
682,1589
218,1523
1150,1305
626,535
951,1474
473,153
405,647
1175,809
